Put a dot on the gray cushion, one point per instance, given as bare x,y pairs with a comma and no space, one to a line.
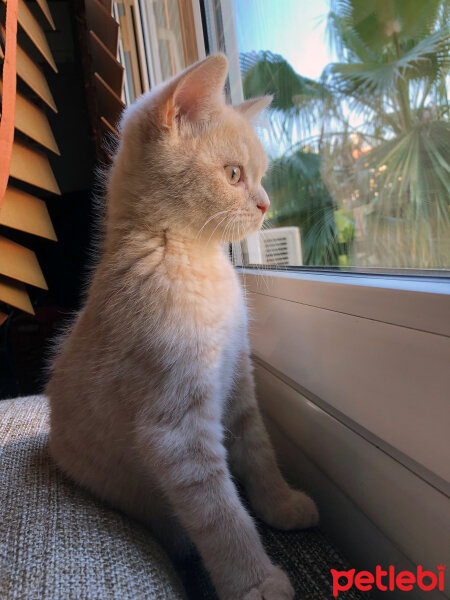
56,541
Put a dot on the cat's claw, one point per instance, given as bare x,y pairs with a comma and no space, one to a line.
297,511
276,586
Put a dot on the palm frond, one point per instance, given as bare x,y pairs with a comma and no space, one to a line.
375,21
299,103
387,102
299,197
406,182
381,77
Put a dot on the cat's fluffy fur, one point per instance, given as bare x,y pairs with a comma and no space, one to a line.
151,391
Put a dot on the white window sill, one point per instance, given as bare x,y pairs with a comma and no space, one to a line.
421,303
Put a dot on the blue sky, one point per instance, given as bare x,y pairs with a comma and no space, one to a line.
293,28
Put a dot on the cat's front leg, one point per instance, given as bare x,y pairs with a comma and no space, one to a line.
188,457
253,461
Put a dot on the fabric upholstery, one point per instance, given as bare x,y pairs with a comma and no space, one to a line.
57,542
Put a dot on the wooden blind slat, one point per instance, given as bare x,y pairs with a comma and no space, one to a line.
107,4
14,293
32,121
27,213
32,166
108,128
105,63
109,104
46,12
20,263
103,24
34,31
32,75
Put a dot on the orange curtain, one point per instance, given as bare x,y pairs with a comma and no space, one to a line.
9,95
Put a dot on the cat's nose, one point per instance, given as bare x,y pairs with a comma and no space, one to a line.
262,200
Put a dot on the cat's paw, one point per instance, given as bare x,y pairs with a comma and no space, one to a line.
296,511
276,586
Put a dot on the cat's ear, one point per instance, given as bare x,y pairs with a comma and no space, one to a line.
197,91
252,107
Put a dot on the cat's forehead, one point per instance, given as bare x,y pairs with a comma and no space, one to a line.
237,134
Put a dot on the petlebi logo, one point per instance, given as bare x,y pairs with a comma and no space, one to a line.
388,580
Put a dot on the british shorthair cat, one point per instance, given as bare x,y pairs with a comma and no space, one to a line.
152,396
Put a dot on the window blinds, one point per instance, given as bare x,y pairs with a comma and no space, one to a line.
99,34
24,155
33,141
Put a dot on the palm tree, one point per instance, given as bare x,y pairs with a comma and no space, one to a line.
298,194
393,77
380,120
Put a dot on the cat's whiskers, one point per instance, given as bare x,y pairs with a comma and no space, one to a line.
229,229
244,283
218,225
224,238
262,266
220,212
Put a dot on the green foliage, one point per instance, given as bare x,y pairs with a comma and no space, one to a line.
394,75
296,101
379,119
298,194
300,198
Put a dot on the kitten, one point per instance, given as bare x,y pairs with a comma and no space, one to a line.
152,394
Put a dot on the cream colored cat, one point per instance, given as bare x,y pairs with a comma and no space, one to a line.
152,394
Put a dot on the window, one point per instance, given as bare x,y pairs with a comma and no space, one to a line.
358,133
157,40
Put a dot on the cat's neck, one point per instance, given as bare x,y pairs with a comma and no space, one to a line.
174,245
195,248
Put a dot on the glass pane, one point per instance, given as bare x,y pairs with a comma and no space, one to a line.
168,26
358,133
174,45
157,39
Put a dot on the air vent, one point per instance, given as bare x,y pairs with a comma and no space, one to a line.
280,246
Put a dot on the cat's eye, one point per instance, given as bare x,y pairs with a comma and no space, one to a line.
233,174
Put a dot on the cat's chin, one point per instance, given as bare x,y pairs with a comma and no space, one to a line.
245,232
233,231
243,236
